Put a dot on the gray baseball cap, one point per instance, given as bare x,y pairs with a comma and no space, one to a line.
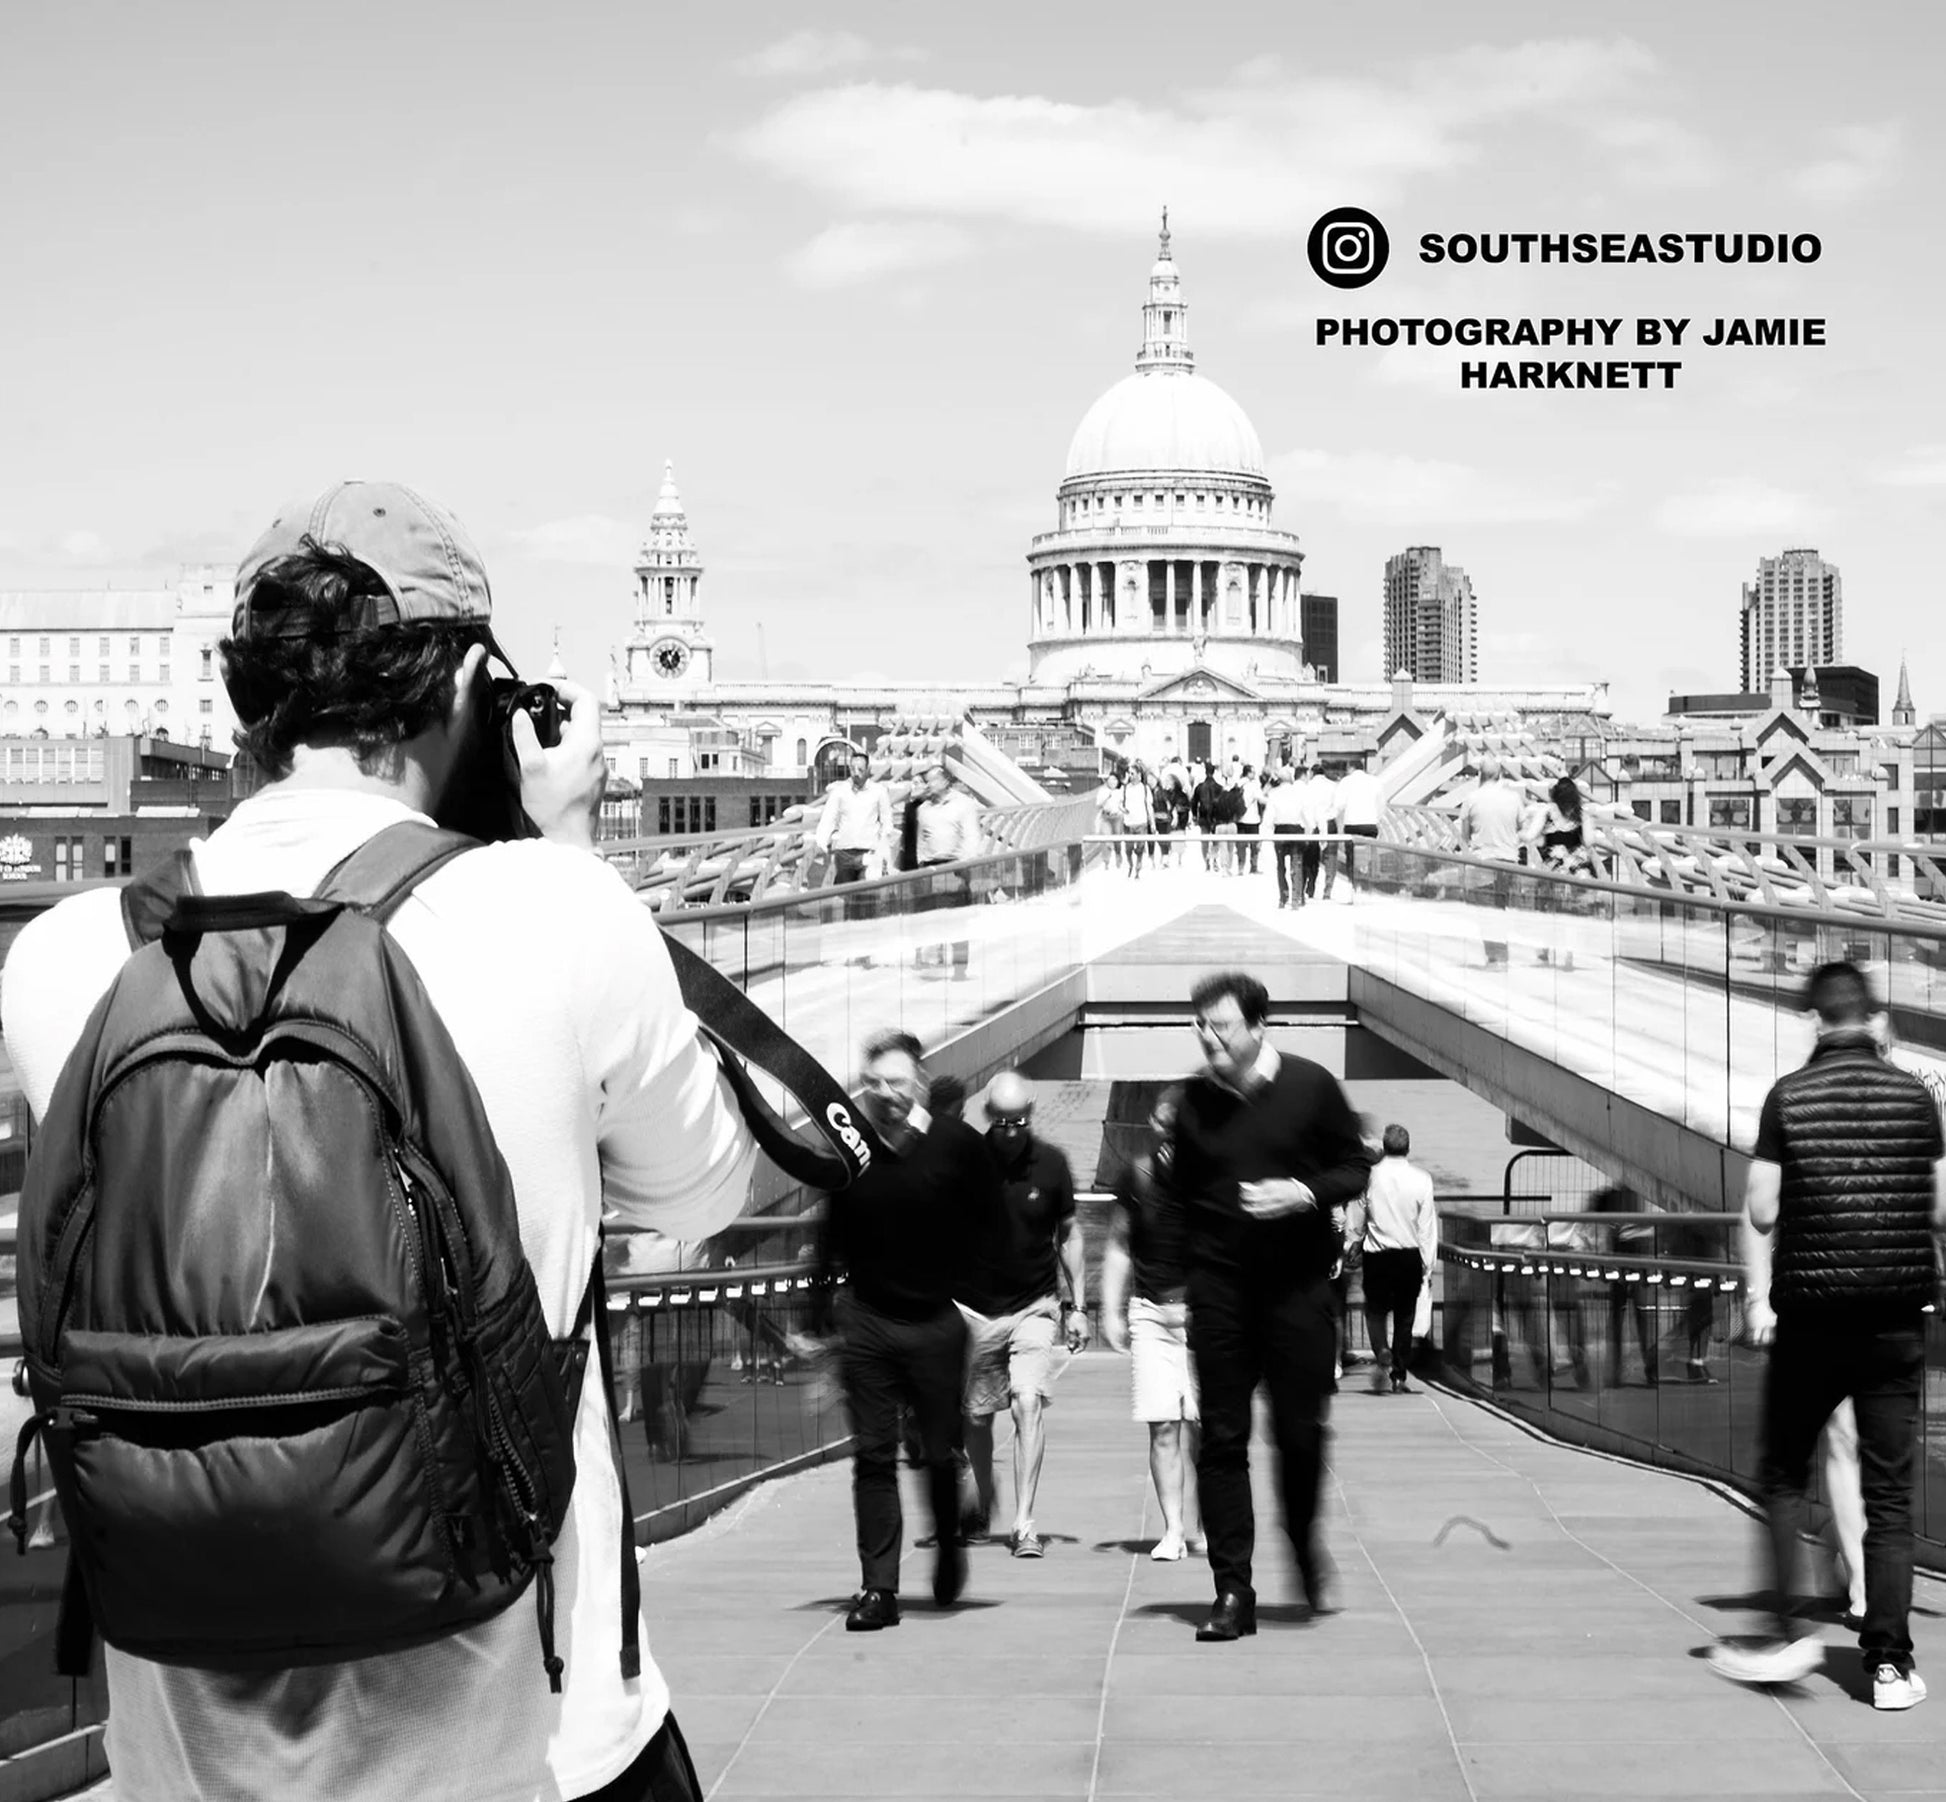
431,568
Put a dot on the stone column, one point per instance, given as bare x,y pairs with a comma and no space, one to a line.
1169,595
1196,595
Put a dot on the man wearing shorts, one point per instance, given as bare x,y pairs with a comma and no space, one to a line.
1017,1299
1142,1272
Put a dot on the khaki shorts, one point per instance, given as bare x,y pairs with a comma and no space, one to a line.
1158,1356
1009,1355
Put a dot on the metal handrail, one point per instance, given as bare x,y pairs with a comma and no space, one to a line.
1521,1260
718,868
1782,870
1915,918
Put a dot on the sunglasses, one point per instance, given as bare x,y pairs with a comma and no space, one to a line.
1017,1121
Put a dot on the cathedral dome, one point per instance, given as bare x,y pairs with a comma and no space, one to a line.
1165,419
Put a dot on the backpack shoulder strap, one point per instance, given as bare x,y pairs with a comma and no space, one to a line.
390,864
151,898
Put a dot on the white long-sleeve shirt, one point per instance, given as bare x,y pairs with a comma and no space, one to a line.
1358,799
856,819
949,829
560,998
1397,1211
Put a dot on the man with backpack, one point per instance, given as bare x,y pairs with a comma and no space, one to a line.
419,1072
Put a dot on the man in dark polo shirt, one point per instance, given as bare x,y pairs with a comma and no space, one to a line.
1266,1156
902,1233
1847,1180
1022,1293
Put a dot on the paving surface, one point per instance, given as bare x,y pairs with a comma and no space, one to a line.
1517,1619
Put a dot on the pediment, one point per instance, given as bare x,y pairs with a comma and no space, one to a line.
1199,684
1800,758
1780,722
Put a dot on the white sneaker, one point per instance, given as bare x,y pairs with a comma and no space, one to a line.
1167,1550
1890,1690
1777,1661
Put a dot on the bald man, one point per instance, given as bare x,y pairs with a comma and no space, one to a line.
1019,1297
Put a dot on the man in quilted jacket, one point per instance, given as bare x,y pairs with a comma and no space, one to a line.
1847,1178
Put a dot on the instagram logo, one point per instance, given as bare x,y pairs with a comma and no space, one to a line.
1348,247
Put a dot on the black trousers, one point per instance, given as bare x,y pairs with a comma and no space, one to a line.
1343,852
944,893
663,1773
1813,1366
849,867
1393,1280
885,1362
1288,844
1637,1299
1248,833
1283,1335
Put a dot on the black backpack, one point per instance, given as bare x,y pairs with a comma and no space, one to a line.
286,1351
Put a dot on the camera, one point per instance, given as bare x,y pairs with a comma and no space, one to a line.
482,798
537,700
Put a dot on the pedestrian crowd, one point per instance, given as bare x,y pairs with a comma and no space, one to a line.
1219,817
966,1272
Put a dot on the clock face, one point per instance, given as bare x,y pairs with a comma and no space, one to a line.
671,657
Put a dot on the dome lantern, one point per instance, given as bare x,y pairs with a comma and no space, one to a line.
1165,315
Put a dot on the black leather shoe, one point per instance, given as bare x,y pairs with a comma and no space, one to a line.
874,1609
948,1571
1233,1617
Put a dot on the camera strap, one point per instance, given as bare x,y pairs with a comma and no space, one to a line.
742,1032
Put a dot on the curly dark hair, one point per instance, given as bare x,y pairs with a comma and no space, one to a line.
314,670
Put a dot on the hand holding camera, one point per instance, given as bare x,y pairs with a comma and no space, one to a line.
558,759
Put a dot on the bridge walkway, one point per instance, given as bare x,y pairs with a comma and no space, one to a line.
1518,1619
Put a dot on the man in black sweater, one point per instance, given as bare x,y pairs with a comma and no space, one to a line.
902,1233
1847,1176
1266,1156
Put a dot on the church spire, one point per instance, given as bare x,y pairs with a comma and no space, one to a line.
1165,316
1903,711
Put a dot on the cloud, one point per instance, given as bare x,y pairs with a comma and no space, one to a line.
864,249
1259,157
812,52
1422,366
78,546
1385,488
696,220
1655,152
1924,467
587,538
1862,157
1739,507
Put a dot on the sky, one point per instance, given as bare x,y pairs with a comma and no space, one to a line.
858,273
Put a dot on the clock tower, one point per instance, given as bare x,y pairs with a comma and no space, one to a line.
668,650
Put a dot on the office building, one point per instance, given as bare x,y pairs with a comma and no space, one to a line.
1431,618
1318,616
1793,617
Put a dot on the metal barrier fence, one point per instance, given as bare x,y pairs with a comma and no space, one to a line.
1890,880
1643,1353
713,869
